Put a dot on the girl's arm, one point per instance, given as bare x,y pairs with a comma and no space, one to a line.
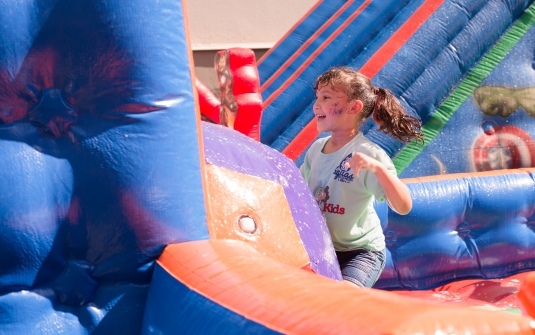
397,194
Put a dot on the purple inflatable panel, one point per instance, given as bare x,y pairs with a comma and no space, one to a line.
229,149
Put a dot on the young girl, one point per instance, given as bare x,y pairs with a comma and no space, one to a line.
346,171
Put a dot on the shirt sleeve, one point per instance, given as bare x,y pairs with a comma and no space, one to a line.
305,167
371,183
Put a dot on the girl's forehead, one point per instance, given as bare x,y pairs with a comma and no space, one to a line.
328,87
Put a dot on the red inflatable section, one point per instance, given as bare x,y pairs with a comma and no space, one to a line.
527,294
516,292
241,101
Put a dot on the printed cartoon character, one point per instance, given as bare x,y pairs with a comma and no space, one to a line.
229,106
504,101
503,147
341,173
322,195
342,165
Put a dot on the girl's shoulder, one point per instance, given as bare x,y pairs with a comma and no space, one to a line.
366,146
318,145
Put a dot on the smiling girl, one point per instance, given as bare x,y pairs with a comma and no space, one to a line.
346,171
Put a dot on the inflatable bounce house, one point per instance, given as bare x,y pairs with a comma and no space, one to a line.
134,201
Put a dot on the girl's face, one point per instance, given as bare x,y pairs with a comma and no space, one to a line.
333,111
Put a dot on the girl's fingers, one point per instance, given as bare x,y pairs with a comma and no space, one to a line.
357,163
358,168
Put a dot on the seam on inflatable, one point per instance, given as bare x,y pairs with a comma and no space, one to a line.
197,112
465,175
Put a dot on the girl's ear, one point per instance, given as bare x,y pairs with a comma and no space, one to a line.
356,107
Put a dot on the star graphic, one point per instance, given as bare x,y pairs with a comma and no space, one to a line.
499,158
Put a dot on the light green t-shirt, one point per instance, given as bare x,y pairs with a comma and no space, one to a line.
345,200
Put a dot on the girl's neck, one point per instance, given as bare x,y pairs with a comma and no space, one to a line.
338,140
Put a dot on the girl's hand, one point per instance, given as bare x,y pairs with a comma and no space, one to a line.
397,194
361,161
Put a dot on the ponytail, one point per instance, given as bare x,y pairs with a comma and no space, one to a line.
390,115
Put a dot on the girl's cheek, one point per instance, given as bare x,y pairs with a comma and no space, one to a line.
336,109
332,109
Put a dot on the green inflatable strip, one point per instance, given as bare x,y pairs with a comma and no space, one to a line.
443,114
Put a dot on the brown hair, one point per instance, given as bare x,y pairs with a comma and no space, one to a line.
386,109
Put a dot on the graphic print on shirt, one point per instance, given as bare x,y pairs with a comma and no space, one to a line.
341,173
322,195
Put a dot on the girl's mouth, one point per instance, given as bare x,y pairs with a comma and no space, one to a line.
320,117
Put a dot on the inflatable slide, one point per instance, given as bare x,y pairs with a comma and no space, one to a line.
121,212
448,62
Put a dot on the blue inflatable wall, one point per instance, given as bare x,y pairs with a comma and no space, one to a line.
93,107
